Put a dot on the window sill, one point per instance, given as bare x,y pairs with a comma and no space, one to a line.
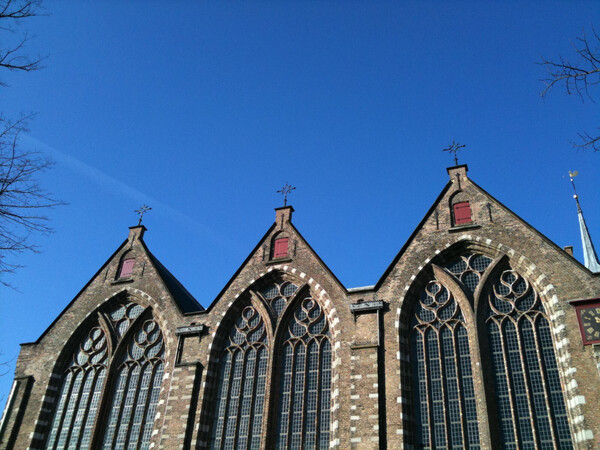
274,261
122,281
468,226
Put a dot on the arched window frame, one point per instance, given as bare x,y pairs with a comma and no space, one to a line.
302,294
486,408
211,403
462,297
253,294
116,345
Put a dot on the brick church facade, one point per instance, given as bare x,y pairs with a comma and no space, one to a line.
470,339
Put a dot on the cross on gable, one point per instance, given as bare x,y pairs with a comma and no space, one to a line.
453,149
285,191
141,211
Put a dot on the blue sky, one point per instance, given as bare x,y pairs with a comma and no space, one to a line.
203,110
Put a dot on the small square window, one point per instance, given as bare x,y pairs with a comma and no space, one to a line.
281,248
462,213
127,268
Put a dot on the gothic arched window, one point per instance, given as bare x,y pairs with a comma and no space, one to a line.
304,393
242,380
136,388
122,354
446,397
75,414
297,413
510,317
528,390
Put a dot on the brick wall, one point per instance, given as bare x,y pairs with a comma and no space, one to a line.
371,393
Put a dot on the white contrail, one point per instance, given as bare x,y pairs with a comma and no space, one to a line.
107,182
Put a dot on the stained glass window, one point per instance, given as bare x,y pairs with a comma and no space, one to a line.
528,395
469,268
278,295
80,393
305,387
446,412
137,385
242,381
136,373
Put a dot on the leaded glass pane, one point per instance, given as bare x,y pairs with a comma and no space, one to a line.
133,405
305,387
529,397
241,390
80,392
278,294
445,415
123,315
468,268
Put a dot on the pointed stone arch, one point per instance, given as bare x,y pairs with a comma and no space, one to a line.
74,412
238,364
555,310
302,362
251,292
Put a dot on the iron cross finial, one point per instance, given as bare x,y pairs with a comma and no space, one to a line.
141,211
285,191
453,149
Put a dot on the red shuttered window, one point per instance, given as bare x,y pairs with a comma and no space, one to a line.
281,248
462,213
127,268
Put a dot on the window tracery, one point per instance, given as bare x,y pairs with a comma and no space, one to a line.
528,395
304,394
112,357
80,394
528,389
137,386
278,295
469,268
445,393
242,381
299,363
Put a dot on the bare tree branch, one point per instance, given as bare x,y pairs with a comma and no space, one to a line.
23,202
577,77
11,55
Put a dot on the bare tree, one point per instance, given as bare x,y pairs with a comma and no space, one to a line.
22,200
578,76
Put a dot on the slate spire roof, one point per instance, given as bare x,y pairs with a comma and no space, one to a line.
590,257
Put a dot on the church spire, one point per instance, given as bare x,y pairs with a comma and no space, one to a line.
590,257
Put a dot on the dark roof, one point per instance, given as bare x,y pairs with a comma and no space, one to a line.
186,302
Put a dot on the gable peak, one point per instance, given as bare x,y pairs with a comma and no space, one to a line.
458,172
283,215
136,232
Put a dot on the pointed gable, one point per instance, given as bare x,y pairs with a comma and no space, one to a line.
133,266
281,248
465,211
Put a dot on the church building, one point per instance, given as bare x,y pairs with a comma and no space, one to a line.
481,334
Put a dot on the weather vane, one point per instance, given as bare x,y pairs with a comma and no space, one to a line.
285,191
571,176
575,196
141,211
453,149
